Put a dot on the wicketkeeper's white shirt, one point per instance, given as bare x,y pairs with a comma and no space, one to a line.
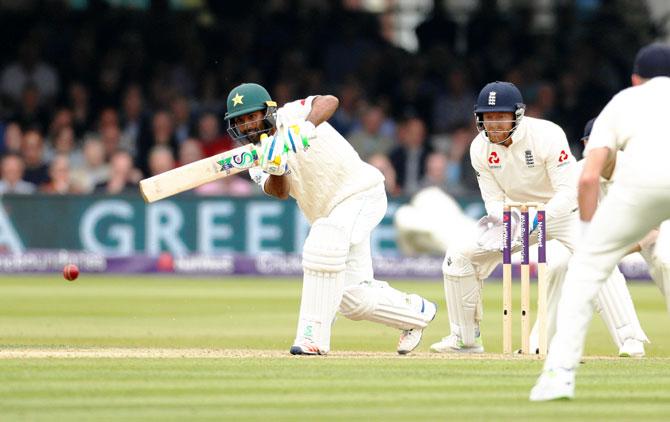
537,167
636,121
328,172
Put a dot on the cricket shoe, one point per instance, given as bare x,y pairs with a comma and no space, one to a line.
453,344
306,347
410,339
632,348
554,384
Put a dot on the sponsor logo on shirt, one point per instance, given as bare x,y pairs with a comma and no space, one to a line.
494,160
530,160
563,156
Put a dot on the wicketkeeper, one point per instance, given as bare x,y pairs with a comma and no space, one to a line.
519,159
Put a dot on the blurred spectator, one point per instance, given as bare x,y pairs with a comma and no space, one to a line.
64,143
12,138
383,164
543,104
409,158
189,151
345,116
369,139
62,117
181,110
120,175
454,106
60,182
79,103
209,133
436,171
134,119
29,69
32,150
12,176
438,29
461,176
162,133
110,132
160,160
29,112
93,171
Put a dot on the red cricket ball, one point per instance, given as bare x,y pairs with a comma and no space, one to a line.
70,272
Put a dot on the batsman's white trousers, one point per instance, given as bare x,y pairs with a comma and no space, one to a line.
625,216
358,215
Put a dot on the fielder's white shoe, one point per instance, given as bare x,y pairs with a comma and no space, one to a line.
306,347
554,384
453,344
410,339
632,348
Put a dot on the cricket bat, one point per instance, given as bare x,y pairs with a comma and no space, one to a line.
198,173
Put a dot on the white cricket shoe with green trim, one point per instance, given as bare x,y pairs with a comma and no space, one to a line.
453,344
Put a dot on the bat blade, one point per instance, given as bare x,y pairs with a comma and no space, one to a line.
198,173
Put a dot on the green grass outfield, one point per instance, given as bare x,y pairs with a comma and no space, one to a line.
128,348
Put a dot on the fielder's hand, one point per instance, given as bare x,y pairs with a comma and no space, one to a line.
274,159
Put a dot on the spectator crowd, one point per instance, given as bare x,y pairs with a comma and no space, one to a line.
95,100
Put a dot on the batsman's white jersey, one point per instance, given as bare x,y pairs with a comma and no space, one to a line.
328,172
636,202
537,167
344,200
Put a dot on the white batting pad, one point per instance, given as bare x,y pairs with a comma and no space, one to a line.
463,300
324,262
376,301
616,308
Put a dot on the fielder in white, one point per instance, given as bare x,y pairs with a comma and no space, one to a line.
430,222
618,312
520,159
343,198
637,201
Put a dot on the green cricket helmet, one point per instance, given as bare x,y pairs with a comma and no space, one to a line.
248,98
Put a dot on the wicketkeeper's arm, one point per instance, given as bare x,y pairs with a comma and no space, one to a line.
492,193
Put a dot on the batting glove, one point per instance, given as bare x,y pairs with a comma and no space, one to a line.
274,159
298,136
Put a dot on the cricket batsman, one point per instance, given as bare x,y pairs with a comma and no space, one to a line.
519,159
343,198
636,202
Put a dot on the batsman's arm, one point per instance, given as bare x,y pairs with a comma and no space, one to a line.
277,186
323,107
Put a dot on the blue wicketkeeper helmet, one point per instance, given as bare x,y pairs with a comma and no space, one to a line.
499,97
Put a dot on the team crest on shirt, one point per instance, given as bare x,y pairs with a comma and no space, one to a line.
494,160
530,160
